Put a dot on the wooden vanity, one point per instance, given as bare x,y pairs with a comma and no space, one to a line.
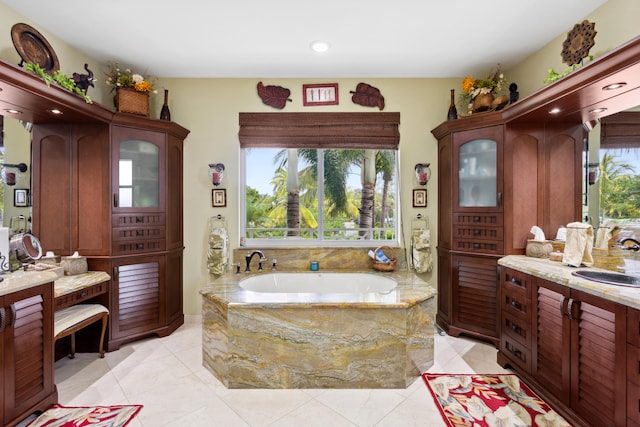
130,230
576,341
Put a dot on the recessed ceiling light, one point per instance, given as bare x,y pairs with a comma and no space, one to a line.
597,110
614,86
319,46
554,110
55,111
12,111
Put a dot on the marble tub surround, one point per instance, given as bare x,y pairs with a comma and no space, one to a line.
561,274
318,341
331,259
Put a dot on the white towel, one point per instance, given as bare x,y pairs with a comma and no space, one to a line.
577,250
421,251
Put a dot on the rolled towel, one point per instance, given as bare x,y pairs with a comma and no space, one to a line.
577,250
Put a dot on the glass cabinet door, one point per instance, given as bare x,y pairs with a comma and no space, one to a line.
477,174
138,170
138,174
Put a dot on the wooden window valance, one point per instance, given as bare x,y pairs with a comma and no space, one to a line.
620,130
320,130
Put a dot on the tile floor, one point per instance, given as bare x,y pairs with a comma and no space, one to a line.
167,377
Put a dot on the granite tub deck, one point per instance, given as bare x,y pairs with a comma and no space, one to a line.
308,340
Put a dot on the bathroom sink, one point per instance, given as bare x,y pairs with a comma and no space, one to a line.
608,278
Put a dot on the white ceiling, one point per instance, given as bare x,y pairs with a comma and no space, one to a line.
267,39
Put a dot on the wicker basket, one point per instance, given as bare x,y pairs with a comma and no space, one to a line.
385,266
129,100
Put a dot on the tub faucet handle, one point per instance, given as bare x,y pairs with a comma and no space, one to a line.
274,264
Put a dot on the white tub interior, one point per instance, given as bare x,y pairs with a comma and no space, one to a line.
319,283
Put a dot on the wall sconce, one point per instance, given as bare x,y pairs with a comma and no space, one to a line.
594,173
423,173
10,177
216,171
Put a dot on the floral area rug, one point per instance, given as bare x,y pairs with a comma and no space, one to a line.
490,400
80,416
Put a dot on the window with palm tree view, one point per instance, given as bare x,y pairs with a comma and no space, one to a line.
320,196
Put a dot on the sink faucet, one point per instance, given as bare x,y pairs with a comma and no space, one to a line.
250,256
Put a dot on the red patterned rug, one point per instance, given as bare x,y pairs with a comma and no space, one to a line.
489,400
81,416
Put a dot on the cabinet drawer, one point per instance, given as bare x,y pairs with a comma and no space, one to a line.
633,326
483,219
516,305
80,295
518,329
516,352
137,220
480,246
516,283
127,234
481,233
138,246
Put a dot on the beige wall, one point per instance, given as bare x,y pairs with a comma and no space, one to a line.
210,107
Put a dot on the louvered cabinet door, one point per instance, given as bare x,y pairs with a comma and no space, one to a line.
551,365
474,295
598,361
27,357
137,297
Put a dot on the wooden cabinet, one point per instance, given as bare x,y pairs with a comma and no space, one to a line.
497,179
633,367
570,344
516,316
26,356
113,192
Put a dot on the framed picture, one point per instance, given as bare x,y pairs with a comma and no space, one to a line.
21,197
420,198
320,94
219,198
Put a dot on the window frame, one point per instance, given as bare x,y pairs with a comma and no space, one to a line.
319,131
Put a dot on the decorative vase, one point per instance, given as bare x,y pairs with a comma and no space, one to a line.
482,102
165,114
452,114
129,100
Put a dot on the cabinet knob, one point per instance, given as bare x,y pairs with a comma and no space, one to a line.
476,219
476,246
476,232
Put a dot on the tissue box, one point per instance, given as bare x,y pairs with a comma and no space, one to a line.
73,265
538,248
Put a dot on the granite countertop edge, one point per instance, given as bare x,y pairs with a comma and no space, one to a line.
557,272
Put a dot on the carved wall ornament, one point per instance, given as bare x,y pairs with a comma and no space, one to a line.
578,42
367,96
274,96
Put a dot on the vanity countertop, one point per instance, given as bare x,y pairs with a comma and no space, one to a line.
555,271
410,290
19,280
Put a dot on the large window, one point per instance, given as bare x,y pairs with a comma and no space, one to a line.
322,184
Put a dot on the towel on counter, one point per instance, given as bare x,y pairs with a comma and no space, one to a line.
217,254
579,244
421,251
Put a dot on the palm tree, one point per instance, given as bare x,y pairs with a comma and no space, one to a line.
385,164
368,171
611,173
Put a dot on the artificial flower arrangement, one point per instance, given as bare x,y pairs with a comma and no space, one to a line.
492,84
472,88
119,77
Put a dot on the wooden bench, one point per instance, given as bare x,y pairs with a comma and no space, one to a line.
71,319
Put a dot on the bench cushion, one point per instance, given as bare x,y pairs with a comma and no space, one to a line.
71,316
